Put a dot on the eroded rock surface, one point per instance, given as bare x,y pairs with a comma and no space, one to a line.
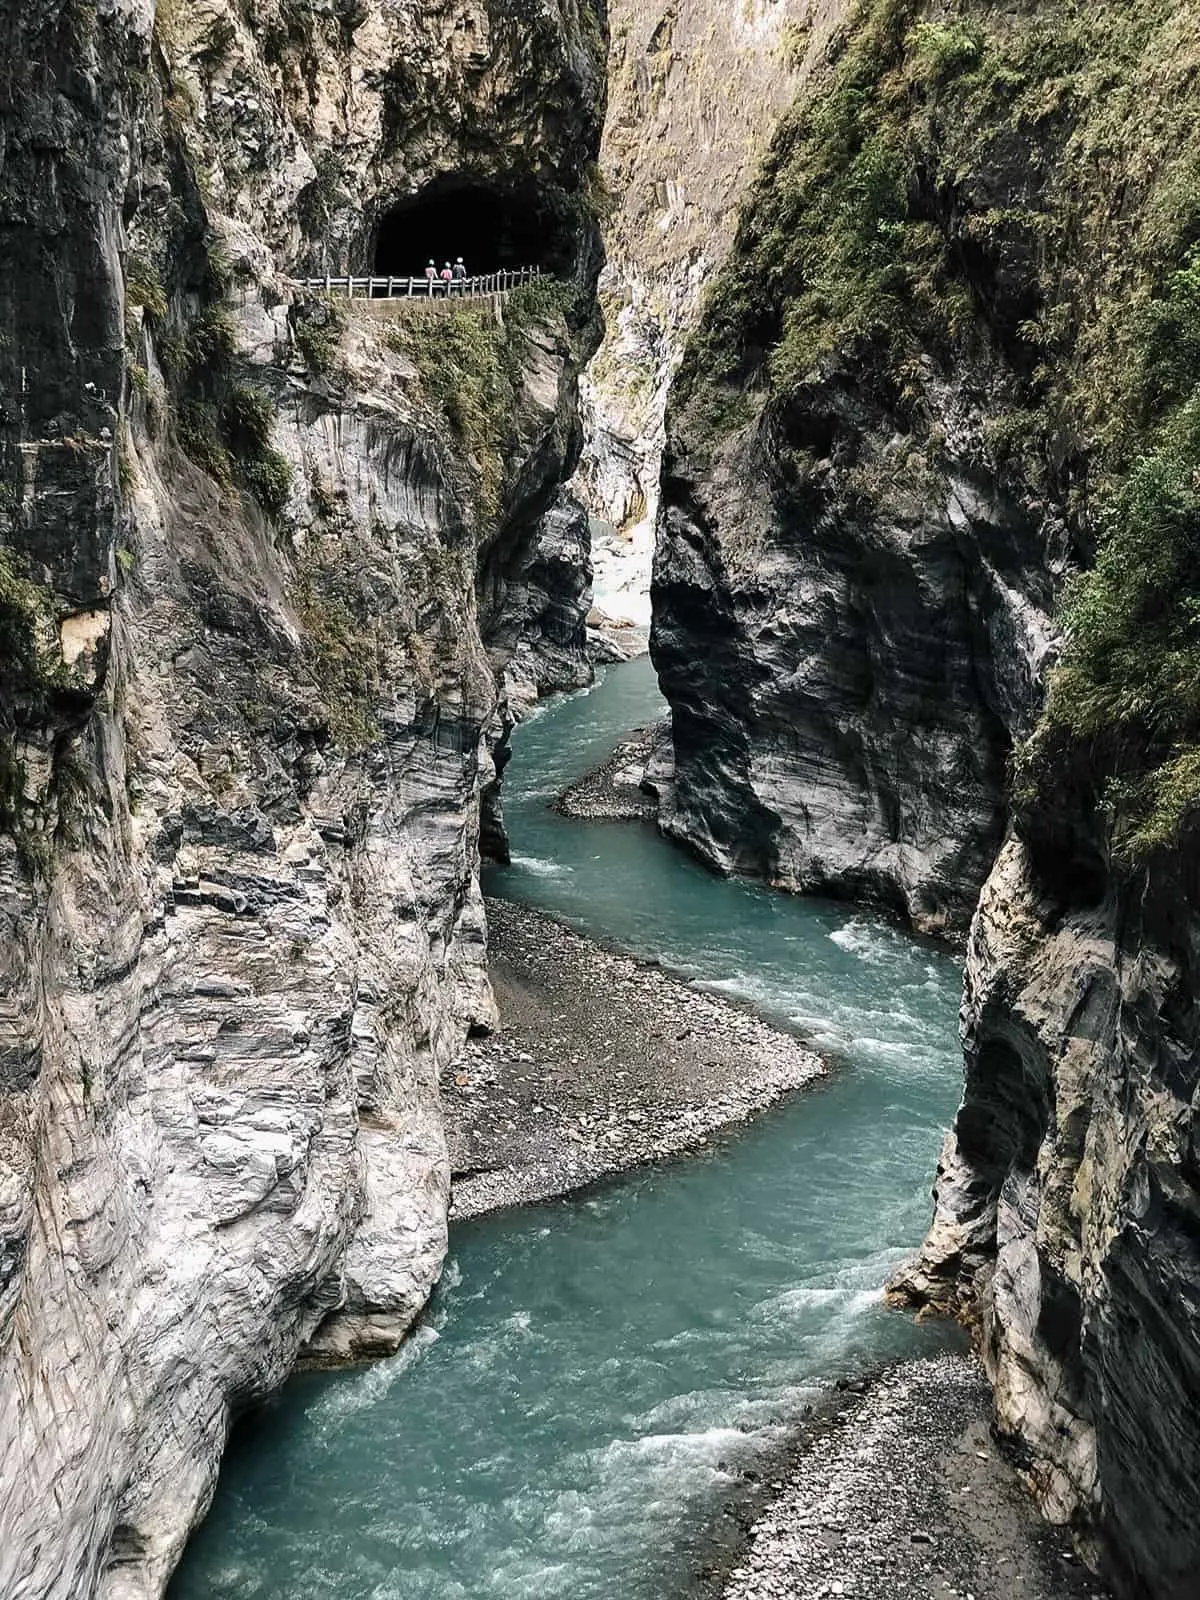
1066,1201
696,89
944,371
251,543
847,671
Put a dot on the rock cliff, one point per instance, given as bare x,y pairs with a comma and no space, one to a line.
695,90
252,544
1068,1194
953,364
853,584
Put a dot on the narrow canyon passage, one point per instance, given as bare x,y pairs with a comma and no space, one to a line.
594,1374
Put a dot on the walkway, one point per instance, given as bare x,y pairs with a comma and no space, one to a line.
490,283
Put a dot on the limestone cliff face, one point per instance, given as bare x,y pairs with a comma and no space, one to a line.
955,358
695,90
848,665
1068,1194
250,546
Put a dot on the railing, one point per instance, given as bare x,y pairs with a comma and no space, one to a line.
489,283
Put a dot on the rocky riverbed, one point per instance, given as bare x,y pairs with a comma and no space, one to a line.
899,1491
613,792
601,1063
893,1487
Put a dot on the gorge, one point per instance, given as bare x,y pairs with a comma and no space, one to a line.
565,1440
900,378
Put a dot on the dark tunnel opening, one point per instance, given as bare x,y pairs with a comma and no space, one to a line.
491,227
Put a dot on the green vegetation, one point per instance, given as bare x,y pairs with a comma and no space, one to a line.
26,621
196,428
318,327
471,369
1014,192
794,41
209,342
224,427
1127,695
344,653
542,299
247,418
144,286
33,669
461,353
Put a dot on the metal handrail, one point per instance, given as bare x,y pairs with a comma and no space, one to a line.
394,288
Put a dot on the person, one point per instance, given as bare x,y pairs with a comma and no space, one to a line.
431,275
446,275
460,276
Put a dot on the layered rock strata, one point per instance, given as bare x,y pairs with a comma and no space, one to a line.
251,542
1068,1194
850,639
954,359
695,90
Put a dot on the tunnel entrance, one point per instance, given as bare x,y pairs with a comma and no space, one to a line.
492,226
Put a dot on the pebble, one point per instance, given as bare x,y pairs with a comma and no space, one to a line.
884,1470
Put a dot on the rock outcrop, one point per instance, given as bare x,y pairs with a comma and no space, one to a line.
252,542
853,586
538,640
695,90
954,359
1068,1195
847,674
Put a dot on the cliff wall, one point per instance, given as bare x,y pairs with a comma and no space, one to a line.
251,543
694,93
953,364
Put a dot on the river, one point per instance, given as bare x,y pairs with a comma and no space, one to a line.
570,1418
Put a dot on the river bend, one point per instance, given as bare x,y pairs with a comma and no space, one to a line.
571,1416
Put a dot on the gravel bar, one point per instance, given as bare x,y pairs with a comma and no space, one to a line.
905,1494
602,1063
612,792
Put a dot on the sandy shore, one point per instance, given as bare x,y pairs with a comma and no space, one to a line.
601,1063
902,1493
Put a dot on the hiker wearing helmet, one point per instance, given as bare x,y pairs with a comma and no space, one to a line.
460,276
431,275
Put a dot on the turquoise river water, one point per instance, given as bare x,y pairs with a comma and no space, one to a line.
593,1374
